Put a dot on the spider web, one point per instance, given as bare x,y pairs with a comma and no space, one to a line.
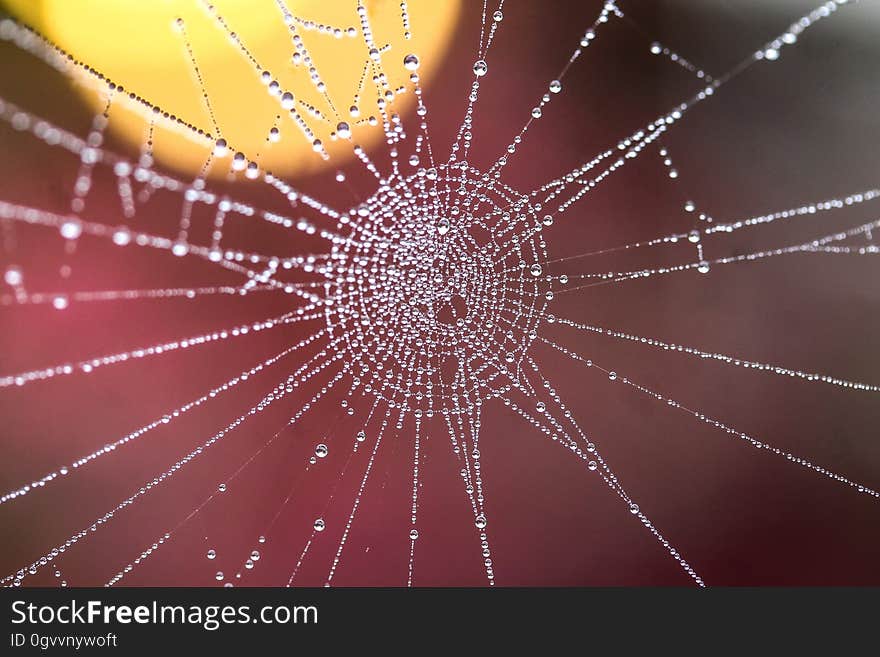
419,292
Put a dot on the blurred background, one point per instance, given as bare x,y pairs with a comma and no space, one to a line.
782,134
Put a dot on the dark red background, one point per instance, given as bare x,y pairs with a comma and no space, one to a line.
786,133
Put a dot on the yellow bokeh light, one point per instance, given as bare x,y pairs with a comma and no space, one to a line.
138,44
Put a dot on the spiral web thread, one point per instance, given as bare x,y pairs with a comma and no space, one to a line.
432,296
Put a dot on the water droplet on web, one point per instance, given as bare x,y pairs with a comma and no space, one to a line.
71,229
411,62
319,525
121,236
480,68
321,450
13,275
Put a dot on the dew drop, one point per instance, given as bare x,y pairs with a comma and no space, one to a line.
121,236
71,229
220,148
13,275
410,62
